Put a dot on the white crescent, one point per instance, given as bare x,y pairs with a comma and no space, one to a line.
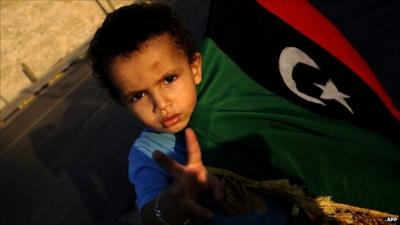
288,59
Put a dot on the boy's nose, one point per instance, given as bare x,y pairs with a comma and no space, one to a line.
161,103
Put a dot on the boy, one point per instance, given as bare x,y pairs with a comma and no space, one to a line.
153,69
149,63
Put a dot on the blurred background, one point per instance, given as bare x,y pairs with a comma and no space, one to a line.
36,35
64,143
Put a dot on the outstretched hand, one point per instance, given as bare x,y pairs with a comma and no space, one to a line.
191,180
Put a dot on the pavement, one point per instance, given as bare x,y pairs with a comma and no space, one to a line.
64,160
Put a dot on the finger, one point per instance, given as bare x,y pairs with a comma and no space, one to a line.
167,163
198,210
193,147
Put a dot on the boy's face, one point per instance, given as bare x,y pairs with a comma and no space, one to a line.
158,84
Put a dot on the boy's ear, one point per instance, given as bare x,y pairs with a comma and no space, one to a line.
196,68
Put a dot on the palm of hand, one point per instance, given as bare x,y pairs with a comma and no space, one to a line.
191,180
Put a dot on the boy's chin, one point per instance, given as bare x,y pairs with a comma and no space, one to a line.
173,129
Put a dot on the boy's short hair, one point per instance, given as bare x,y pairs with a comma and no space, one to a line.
125,30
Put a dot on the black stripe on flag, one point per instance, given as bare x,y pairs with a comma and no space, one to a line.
267,49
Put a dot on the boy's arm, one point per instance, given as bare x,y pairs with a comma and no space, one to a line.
180,200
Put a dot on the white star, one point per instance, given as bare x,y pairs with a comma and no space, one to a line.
329,91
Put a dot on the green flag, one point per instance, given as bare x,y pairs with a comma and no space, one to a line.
244,127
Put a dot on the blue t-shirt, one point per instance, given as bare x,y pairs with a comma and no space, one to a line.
147,176
150,179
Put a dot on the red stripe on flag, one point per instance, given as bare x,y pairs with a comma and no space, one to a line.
302,16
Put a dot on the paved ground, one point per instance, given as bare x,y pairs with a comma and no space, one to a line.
64,161
39,34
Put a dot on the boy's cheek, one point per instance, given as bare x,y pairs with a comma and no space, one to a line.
142,113
135,111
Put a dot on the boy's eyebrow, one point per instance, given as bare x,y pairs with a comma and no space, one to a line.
169,73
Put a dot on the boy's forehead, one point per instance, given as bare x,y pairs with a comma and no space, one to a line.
158,50
149,48
153,59
164,38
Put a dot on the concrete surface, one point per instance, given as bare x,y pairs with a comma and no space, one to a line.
64,160
39,34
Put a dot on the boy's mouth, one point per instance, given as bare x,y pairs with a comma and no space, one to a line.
171,120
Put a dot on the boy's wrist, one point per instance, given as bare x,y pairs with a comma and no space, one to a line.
164,210
162,214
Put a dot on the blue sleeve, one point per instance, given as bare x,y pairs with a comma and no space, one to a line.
148,178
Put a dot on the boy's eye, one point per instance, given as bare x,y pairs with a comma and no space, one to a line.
137,96
170,79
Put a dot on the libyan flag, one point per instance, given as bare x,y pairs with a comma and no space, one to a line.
284,95
293,50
